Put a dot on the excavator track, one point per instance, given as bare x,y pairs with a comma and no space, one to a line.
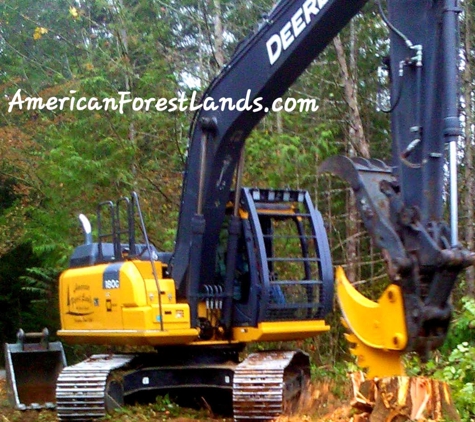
85,391
265,385
268,384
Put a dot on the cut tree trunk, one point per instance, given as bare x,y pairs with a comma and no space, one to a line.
399,399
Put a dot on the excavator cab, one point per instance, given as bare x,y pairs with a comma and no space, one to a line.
33,365
273,267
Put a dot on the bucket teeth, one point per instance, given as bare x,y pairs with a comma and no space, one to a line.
378,363
344,323
351,338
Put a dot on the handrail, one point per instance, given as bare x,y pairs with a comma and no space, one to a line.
135,199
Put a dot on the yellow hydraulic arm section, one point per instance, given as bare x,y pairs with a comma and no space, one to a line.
377,329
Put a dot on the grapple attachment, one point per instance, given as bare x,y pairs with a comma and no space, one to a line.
421,264
32,369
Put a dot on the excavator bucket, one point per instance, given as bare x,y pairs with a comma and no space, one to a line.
377,329
32,369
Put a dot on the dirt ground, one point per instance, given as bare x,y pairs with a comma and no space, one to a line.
323,403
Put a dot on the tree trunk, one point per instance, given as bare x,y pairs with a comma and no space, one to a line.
401,399
357,137
218,34
123,40
279,123
357,146
468,174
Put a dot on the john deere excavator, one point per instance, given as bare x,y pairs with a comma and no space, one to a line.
253,265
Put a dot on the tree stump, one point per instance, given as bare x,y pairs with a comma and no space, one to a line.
402,398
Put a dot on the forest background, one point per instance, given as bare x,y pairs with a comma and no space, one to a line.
57,164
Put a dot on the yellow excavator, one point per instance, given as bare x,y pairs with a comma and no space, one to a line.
253,264
120,292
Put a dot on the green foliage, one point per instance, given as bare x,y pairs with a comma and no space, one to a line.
28,296
463,327
39,282
459,372
81,157
455,364
458,368
337,372
164,408
276,160
165,405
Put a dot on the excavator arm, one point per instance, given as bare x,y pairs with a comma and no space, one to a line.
401,204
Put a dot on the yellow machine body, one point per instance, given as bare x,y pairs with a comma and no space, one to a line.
118,304
101,303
